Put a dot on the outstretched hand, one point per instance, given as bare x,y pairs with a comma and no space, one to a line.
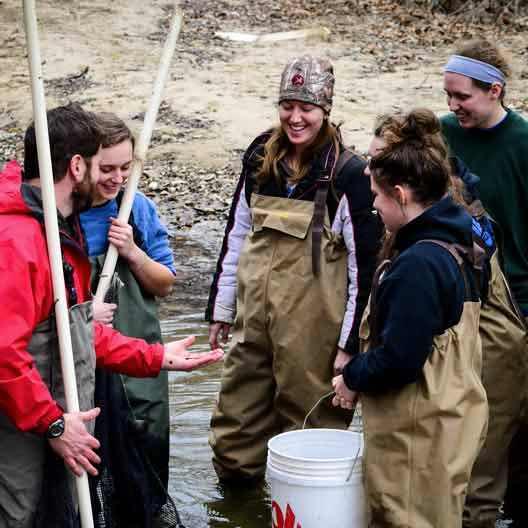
76,445
177,357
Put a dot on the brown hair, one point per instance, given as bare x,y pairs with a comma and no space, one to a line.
484,51
72,130
114,130
278,146
415,155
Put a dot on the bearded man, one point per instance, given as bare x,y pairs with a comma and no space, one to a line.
35,431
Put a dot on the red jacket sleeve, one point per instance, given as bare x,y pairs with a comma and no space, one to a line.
24,397
127,355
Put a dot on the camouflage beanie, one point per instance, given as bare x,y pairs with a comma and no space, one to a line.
308,79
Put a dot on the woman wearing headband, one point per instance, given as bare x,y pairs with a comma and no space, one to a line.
424,406
492,141
297,260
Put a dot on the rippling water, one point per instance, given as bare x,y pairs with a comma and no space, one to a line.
193,485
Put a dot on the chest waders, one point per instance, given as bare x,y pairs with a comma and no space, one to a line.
285,336
504,348
421,440
146,398
24,456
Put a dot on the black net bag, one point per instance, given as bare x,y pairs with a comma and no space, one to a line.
127,491
57,506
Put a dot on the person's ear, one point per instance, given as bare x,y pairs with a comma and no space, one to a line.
400,193
75,168
496,91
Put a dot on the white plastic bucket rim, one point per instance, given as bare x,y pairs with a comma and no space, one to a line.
301,456
344,433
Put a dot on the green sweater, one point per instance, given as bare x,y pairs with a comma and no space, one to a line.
499,156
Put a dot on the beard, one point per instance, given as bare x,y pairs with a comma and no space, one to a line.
83,193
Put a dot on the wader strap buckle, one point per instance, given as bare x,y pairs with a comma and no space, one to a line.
323,184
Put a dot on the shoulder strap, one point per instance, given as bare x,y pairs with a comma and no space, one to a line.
475,255
454,249
323,184
333,168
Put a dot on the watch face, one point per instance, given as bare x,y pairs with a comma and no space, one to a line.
56,428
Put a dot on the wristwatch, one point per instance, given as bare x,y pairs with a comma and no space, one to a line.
56,428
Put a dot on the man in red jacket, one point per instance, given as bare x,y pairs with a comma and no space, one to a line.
32,405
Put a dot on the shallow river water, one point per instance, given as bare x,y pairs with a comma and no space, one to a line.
193,485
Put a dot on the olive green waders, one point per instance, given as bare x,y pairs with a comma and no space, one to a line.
22,455
284,339
421,440
148,398
504,373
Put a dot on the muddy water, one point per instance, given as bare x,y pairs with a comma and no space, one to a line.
193,485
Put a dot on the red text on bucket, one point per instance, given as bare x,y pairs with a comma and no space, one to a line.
278,519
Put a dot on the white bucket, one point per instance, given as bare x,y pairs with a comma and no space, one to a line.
316,479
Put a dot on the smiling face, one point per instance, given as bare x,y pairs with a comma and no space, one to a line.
114,165
301,122
474,107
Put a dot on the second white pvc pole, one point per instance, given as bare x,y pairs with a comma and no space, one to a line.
140,152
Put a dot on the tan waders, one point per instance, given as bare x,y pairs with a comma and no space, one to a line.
285,336
421,440
504,372
22,455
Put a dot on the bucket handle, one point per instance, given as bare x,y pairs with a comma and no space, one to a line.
354,464
331,393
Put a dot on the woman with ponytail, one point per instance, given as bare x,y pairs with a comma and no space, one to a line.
297,261
424,406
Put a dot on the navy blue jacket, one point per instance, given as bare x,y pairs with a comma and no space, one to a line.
420,296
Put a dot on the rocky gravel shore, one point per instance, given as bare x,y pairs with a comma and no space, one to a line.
394,36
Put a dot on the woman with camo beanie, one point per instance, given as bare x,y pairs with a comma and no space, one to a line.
296,262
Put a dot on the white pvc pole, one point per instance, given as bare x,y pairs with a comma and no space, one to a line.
53,240
140,152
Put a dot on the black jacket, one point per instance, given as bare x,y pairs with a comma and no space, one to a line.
421,295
